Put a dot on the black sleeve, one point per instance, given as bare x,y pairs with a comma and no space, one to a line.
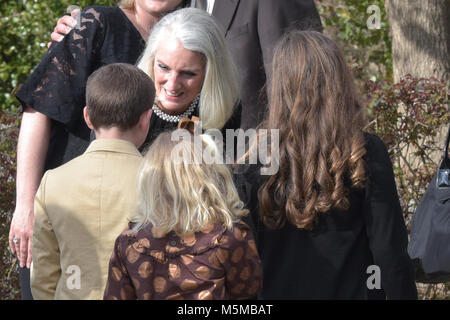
233,123
385,224
57,86
248,180
235,120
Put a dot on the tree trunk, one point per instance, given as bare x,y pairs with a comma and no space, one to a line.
420,31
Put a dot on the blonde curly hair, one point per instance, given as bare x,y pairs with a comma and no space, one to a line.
180,191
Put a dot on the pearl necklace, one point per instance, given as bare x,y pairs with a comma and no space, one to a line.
176,118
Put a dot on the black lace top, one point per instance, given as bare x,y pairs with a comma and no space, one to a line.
57,86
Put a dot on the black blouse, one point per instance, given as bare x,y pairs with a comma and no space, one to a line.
57,86
334,261
157,125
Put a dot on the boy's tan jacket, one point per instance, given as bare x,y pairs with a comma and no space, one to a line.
80,209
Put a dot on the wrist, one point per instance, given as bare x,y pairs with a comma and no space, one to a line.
24,209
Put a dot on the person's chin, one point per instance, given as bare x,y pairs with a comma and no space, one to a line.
172,108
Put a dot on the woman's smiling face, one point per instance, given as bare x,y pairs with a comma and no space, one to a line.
179,75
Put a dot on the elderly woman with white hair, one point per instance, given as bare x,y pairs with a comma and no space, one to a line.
194,75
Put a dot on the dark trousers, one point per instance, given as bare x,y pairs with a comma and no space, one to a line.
25,285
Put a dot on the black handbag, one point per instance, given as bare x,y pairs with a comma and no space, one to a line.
429,246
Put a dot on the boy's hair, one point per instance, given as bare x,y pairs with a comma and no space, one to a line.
117,94
180,191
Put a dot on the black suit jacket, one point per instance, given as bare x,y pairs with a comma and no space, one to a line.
252,28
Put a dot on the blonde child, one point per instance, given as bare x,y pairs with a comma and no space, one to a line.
187,241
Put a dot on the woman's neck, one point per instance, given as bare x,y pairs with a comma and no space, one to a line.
142,20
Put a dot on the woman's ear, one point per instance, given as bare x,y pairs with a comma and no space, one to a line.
86,118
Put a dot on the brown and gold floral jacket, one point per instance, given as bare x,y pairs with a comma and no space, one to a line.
213,264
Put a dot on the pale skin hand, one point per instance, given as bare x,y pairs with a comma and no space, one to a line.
32,149
63,27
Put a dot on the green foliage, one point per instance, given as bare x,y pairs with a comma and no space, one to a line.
26,26
9,130
346,22
408,117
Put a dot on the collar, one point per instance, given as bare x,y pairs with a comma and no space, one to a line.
113,145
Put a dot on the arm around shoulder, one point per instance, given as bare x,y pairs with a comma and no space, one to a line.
56,87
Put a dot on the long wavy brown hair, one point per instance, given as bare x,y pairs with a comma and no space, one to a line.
314,104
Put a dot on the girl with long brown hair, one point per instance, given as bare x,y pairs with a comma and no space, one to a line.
328,223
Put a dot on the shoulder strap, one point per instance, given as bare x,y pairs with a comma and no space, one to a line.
445,161
446,144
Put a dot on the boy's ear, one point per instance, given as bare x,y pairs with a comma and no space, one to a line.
86,118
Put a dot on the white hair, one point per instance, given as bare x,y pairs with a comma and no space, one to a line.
197,31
